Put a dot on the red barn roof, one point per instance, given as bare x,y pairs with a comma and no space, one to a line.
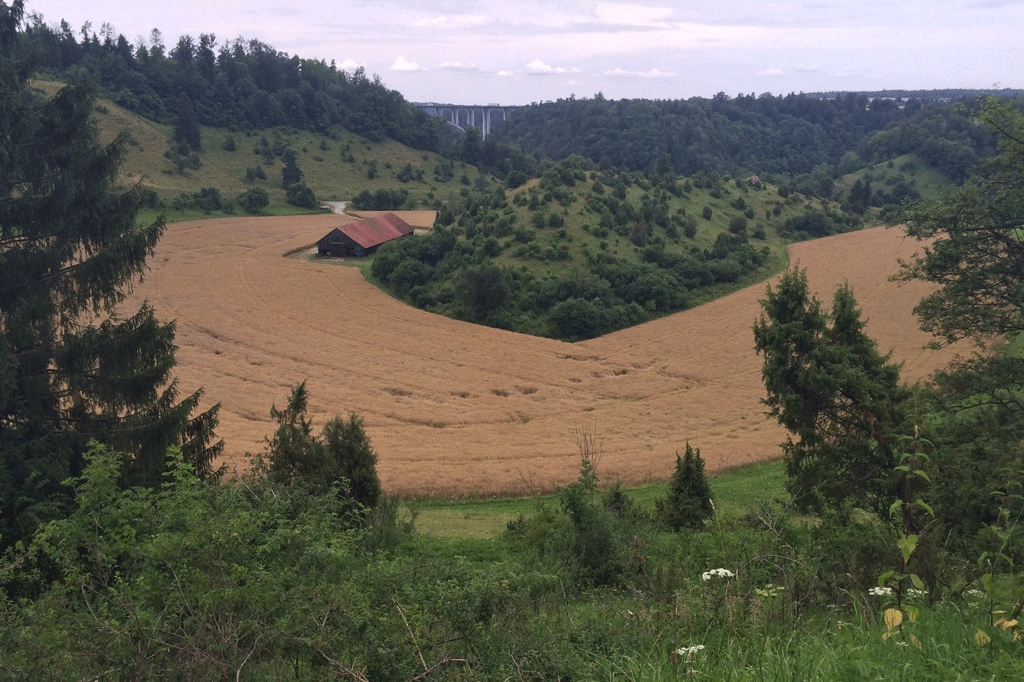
376,230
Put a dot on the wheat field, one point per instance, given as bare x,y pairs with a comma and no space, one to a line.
457,409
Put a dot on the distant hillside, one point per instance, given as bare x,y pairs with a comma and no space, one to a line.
337,166
582,250
924,96
792,135
240,84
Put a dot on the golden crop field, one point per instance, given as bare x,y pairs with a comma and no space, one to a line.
457,409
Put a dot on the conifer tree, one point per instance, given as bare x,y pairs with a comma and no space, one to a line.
290,173
341,455
689,502
186,125
73,367
829,387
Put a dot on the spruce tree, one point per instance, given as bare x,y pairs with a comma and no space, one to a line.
689,494
341,455
72,366
828,385
291,173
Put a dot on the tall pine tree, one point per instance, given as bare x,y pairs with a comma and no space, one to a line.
72,369
829,386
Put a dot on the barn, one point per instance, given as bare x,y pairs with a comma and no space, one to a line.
362,238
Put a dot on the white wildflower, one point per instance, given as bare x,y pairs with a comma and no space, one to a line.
717,572
690,650
880,591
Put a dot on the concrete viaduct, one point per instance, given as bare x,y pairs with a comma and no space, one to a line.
481,116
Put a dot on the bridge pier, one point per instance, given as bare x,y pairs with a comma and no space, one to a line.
461,116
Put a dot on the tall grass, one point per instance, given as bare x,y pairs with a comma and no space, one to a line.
939,646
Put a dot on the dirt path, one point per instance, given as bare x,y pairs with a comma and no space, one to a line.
454,408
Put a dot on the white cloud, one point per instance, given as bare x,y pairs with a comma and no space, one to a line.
451,21
652,74
539,68
459,66
349,65
504,74
771,72
402,64
629,14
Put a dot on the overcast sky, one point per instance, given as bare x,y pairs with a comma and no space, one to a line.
523,51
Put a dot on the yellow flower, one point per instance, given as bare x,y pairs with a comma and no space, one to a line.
1002,623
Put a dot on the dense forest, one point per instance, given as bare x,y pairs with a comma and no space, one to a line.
240,84
745,135
944,95
889,545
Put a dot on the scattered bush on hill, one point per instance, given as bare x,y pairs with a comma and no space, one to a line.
254,199
302,196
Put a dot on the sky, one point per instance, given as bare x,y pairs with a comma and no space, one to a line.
515,52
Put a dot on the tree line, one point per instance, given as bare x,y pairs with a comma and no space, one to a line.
238,84
788,135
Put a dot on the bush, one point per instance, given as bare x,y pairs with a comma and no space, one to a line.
208,199
589,539
302,196
738,224
254,199
690,230
381,200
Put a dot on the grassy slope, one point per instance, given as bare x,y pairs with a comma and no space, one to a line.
734,491
327,171
581,228
932,184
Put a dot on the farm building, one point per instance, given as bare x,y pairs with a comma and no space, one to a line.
362,238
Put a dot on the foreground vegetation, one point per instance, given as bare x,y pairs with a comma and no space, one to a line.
254,579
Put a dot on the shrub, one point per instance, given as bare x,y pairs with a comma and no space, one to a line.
738,224
690,230
254,199
300,195
208,199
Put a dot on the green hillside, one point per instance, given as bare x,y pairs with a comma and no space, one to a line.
337,166
581,250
